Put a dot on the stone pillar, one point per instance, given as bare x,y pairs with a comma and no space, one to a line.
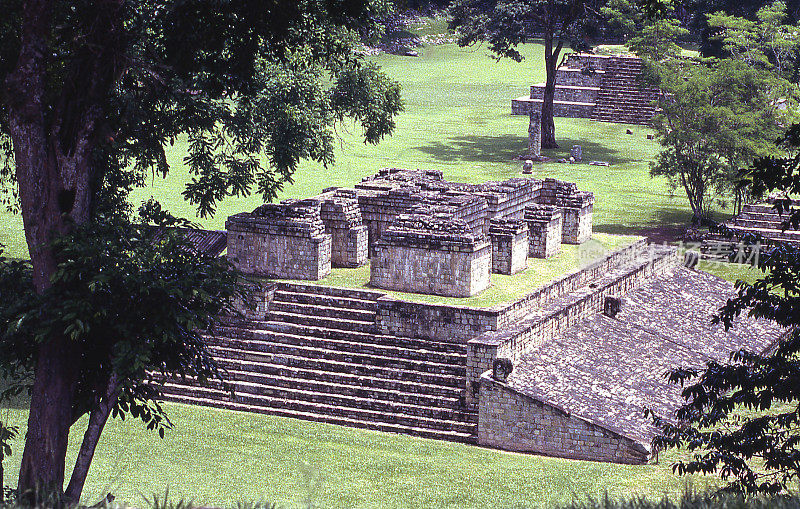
535,133
509,245
544,223
283,241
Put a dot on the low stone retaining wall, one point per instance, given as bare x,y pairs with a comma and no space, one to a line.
568,93
524,105
508,419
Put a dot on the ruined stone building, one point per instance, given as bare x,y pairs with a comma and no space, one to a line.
566,370
599,87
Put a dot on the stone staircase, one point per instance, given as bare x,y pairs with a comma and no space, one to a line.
759,218
318,356
622,98
762,218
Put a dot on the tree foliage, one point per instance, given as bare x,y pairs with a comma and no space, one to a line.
93,94
719,114
742,418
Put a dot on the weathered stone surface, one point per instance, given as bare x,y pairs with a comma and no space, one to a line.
349,236
433,255
509,245
604,371
544,230
286,241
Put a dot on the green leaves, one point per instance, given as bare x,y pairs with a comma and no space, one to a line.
742,418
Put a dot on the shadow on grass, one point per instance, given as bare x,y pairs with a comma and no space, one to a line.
497,149
670,225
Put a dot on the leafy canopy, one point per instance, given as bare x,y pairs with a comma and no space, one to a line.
742,418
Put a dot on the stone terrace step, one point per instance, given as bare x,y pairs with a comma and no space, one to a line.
325,300
342,313
278,349
299,405
770,233
321,321
349,396
324,369
285,376
330,419
330,291
260,341
365,337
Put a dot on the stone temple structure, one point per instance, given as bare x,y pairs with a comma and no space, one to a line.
566,370
599,87
421,233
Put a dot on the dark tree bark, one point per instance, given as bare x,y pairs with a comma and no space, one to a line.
97,421
551,55
52,150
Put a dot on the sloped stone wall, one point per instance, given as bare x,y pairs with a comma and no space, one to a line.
513,421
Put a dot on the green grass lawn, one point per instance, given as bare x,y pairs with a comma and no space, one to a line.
504,289
220,457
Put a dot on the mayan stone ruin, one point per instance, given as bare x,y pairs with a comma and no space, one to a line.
564,370
599,87
420,232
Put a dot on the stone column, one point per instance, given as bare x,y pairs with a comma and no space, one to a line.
535,132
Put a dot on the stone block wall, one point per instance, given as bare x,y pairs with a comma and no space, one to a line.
580,94
431,255
508,419
545,230
285,241
349,236
260,297
577,206
455,324
577,227
524,105
509,245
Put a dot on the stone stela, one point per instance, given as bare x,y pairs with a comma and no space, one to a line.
421,233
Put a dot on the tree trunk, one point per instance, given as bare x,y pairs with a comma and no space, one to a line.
53,145
548,124
97,421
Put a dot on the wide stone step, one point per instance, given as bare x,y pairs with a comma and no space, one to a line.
260,341
354,385
364,337
758,223
325,300
323,369
330,291
770,233
275,350
321,321
299,405
345,395
340,313
452,436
